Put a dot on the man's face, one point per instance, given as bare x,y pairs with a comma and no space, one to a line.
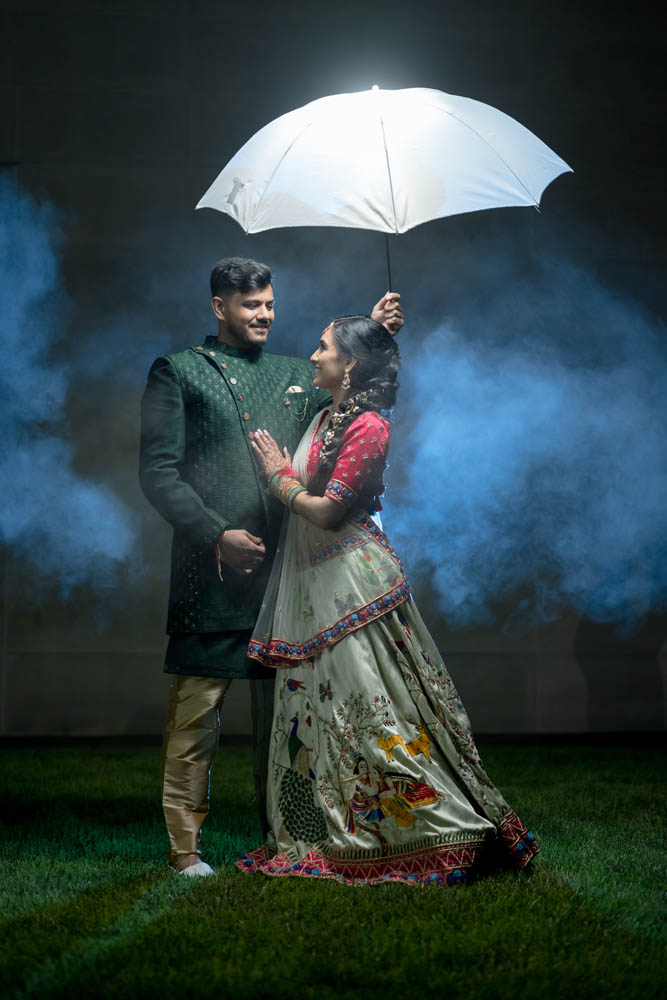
245,318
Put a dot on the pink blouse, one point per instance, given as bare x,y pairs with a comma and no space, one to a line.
356,478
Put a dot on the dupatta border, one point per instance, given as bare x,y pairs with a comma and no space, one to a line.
334,549
369,525
349,542
282,653
279,653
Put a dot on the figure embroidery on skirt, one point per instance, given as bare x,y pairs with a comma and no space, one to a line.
377,794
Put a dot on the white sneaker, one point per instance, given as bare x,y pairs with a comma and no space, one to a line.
201,869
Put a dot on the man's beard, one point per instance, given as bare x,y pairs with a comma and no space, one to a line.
244,336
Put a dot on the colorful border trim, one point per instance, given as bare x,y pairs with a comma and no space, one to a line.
445,864
354,541
369,525
336,548
516,839
280,653
442,864
340,492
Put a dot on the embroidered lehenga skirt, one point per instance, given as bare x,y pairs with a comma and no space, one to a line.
373,772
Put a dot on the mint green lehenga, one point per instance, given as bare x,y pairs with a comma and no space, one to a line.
373,772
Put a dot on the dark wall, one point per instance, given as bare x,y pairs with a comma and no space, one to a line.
114,119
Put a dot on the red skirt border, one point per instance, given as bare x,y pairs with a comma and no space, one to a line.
443,864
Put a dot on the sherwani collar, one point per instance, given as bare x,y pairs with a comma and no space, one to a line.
233,352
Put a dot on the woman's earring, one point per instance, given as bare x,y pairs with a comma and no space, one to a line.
345,384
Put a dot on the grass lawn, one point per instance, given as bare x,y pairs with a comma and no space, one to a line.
88,907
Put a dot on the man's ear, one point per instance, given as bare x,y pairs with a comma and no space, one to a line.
218,306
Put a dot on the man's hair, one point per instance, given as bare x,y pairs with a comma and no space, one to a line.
238,274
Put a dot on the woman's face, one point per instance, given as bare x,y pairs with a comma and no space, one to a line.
329,368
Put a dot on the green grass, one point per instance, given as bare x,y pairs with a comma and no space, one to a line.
88,907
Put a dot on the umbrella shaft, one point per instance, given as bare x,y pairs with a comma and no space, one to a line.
386,246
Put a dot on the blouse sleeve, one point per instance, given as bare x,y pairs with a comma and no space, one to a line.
361,461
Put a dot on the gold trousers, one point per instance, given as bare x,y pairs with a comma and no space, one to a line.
189,746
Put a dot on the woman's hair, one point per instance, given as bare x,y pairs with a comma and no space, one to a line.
373,384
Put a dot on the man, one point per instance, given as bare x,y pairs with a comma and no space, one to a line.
199,411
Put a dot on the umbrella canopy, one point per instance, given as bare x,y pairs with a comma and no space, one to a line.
386,160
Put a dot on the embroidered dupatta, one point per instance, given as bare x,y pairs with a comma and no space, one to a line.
325,582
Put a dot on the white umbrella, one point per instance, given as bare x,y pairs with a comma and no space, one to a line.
382,159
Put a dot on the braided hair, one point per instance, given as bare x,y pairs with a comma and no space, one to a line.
373,385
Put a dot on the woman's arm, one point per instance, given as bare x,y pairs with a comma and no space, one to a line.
360,461
320,511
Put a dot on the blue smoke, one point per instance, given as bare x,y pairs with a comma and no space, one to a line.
535,462
528,462
70,528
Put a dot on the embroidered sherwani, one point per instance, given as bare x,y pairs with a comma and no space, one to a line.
374,774
198,471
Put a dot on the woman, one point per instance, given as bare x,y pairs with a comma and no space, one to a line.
373,772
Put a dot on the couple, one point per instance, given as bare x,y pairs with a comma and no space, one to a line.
370,773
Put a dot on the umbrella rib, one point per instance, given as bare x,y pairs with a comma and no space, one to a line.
391,183
492,148
275,171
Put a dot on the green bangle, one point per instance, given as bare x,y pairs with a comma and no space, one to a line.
286,488
292,493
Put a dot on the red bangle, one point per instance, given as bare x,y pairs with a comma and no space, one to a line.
286,470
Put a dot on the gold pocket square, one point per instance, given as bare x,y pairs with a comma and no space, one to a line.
296,401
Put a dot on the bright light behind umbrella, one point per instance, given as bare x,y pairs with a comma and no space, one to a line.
386,160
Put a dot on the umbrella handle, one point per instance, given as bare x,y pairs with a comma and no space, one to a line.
386,247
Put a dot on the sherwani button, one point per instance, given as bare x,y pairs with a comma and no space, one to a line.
240,397
233,381
246,416
212,353
222,364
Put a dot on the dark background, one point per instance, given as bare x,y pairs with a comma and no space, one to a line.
119,116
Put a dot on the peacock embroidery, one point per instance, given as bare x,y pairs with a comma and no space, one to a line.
302,818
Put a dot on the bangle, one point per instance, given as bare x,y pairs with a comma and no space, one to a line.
292,493
286,488
285,471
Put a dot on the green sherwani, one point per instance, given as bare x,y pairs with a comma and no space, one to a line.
198,471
